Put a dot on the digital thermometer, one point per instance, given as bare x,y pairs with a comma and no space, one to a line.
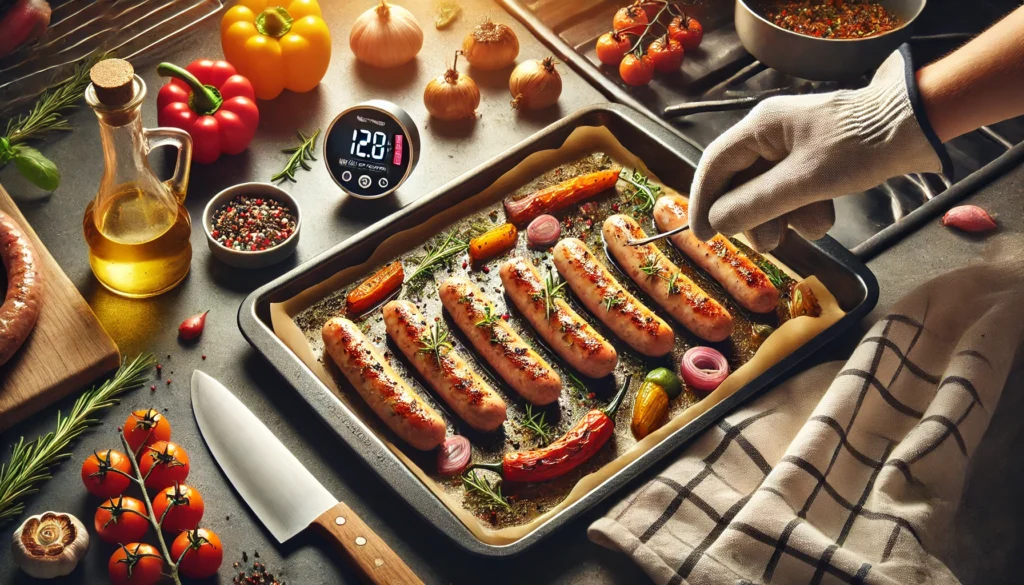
371,149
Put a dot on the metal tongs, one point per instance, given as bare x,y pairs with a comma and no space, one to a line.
657,237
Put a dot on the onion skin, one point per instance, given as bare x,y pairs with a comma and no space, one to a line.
386,36
969,218
25,22
453,455
535,84
543,232
694,364
491,46
452,96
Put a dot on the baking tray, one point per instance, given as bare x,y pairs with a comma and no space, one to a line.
672,161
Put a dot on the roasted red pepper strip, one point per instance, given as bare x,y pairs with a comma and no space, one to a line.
211,102
559,196
574,448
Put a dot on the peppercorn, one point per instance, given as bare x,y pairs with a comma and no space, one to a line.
252,224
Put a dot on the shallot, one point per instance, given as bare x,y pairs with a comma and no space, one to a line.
453,456
192,327
491,46
452,95
704,368
969,218
535,84
543,232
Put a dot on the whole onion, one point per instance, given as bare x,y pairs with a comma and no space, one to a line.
386,36
704,368
491,46
453,455
535,84
452,95
543,232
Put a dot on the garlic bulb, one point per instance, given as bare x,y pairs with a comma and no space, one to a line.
49,545
491,46
386,36
452,96
535,84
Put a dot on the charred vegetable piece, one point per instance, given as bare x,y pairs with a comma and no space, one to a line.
559,196
488,245
574,448
650,409
803,302
372,291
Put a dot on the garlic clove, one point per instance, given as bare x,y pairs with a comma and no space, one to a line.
49,545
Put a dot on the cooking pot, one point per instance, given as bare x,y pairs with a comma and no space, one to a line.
820,59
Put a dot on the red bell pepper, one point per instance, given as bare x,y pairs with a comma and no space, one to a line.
211,102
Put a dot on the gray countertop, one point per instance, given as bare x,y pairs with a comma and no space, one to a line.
986,529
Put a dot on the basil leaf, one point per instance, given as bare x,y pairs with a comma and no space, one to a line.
36,168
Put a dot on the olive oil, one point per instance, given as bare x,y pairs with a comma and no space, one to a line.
138,246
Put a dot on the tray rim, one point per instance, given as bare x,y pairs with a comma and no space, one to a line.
365,442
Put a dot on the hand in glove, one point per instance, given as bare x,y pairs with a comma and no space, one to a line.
818,147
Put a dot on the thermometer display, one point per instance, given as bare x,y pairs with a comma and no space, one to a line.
370,150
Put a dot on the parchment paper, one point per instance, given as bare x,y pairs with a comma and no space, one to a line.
585,140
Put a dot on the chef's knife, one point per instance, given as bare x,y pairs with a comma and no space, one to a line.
280,490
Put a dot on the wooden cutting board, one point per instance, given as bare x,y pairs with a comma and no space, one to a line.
67,350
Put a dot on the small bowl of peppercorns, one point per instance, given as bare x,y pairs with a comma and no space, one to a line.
252,225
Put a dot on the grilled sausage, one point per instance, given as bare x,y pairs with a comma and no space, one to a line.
603,296
447,373
391,399
561,327
494,339
20,310
747,283
657,276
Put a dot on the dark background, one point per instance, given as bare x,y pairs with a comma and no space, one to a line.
985,544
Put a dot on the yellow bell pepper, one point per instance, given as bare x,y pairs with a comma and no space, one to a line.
276,44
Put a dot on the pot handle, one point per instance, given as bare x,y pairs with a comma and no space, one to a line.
157,137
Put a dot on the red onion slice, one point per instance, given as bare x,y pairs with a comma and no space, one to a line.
543,232
704,368
453,456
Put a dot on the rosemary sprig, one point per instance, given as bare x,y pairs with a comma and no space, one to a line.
643,195
435,341
438,255
775,274
483,488
490,318
30,463
536,423
300,154
611,301
577,384
674,286
46,115
552,290
652,265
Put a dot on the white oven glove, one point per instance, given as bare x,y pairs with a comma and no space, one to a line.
822,146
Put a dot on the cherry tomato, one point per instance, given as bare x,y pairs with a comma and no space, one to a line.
687,31
636,71
121,519
98,477
184,508
163,464
666,54
204,555
630,19
145,427
135,564
611,47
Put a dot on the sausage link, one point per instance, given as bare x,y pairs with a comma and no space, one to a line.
20,310
657,276
747,283
466,393
560,326
494,339
389,397
606,299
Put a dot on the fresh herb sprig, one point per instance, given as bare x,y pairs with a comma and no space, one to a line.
536,423
435,341
652,265
611,300
490,493
437,256
643,195
577,385
300,155
30,463
45,117
552,290
775,274
490,318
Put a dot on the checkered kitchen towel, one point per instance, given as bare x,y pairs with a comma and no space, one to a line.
846,473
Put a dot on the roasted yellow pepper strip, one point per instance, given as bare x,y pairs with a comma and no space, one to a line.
276,44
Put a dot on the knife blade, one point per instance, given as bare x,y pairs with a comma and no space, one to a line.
279,489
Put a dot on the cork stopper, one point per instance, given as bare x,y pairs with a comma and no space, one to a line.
112,79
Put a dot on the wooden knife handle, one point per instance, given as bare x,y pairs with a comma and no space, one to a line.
369,554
